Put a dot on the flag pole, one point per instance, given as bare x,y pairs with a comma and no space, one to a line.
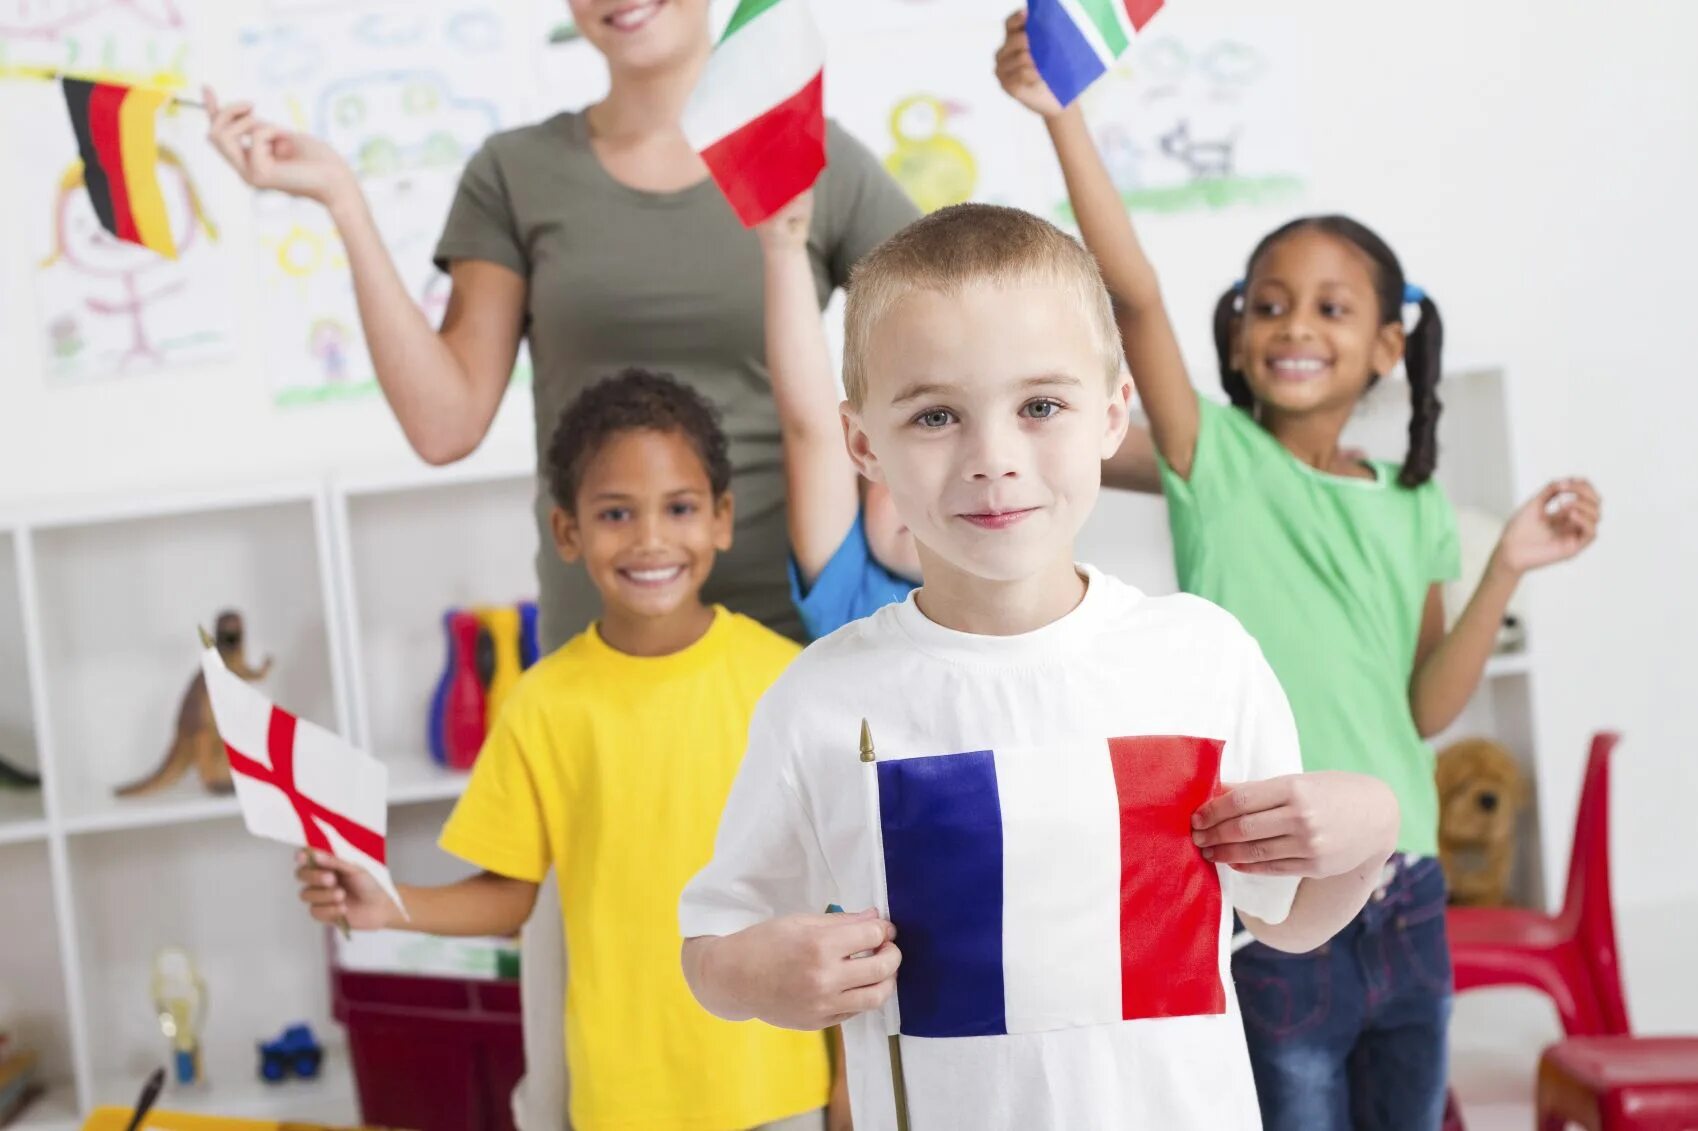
869,778
206,641
53,74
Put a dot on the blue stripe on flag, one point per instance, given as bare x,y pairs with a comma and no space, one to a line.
942,827
1064,56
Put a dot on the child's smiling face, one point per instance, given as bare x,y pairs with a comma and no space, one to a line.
1311,335
987,416
646,523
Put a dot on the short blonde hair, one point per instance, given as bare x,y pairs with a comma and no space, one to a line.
963,244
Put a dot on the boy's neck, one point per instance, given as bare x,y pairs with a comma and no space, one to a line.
964,602
649,637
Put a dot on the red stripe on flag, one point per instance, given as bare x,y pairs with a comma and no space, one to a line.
765,164
280,745
1170,898
103,106
1141,12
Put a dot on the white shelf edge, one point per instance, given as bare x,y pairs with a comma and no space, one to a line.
139,815
23,832
96,510
424,478
1507,664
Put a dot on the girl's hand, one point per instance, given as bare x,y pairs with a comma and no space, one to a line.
1551,527
1019,75
268,156
1317,824
787,229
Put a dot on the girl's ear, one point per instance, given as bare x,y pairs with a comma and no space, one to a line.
1388,347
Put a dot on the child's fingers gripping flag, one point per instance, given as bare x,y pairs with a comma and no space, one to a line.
120,153
1074,42
298,783
757,116
1050,888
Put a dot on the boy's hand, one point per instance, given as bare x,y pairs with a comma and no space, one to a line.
334,889
1018,74
1552,526
808,972
1318,824
787,228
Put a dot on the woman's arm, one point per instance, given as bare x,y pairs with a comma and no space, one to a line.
443,386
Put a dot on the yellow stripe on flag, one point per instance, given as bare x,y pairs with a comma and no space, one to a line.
141,168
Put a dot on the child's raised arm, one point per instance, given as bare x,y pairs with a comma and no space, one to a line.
823,496
1146,334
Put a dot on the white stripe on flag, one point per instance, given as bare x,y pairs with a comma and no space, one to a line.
1088,28
1061,886
765,62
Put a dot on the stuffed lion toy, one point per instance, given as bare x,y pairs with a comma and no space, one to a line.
1481,791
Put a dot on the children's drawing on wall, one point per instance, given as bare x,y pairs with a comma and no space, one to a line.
406,94
111,308
928,105
134,39
926,158
1195,118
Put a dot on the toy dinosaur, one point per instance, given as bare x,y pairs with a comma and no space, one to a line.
197,743
12,777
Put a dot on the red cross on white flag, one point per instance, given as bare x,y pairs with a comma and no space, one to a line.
298,783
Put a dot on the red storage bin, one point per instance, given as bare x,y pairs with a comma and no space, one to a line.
429,1053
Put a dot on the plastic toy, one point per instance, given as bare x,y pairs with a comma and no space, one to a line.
295,1053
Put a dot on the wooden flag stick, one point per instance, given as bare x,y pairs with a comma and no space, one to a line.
898,1080
53,74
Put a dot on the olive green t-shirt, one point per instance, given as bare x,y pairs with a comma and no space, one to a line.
1330,575
669,281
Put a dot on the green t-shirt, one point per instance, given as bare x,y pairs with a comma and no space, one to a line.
1330,575
669,281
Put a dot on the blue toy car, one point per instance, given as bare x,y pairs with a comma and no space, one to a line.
297,1051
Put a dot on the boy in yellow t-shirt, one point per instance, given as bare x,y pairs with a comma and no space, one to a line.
611,762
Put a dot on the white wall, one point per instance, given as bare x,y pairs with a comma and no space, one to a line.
1533,163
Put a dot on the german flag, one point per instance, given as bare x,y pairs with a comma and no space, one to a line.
114,126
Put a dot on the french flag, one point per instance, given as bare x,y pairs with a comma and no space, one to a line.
1075,41
1039,888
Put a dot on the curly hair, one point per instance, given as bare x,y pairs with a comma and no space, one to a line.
633,400
1421,350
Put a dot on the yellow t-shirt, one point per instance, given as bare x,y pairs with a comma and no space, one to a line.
614,769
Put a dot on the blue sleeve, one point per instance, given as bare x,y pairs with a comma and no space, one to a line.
852,585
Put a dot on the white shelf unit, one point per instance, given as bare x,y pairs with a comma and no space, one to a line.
98,606
346,582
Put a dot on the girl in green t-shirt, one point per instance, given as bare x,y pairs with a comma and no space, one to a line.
1335,564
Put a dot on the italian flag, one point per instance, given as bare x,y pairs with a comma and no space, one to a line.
757,116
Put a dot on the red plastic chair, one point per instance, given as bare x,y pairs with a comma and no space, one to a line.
1572,956
1619,1084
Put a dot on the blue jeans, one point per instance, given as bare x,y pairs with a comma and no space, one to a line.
1352,1036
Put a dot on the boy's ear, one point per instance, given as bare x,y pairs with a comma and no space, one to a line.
855,439
724,521
568,542
1388,347
1119,414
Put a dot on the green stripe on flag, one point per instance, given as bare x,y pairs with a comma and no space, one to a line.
748,10
1105,14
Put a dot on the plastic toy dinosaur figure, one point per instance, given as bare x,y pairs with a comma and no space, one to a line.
197,743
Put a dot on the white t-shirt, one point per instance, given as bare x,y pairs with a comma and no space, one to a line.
1041,953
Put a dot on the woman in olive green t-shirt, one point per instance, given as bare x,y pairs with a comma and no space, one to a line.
596,238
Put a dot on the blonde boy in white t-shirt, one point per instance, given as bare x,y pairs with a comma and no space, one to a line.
1076,784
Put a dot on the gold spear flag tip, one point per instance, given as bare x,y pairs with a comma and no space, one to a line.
205,640
866,742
